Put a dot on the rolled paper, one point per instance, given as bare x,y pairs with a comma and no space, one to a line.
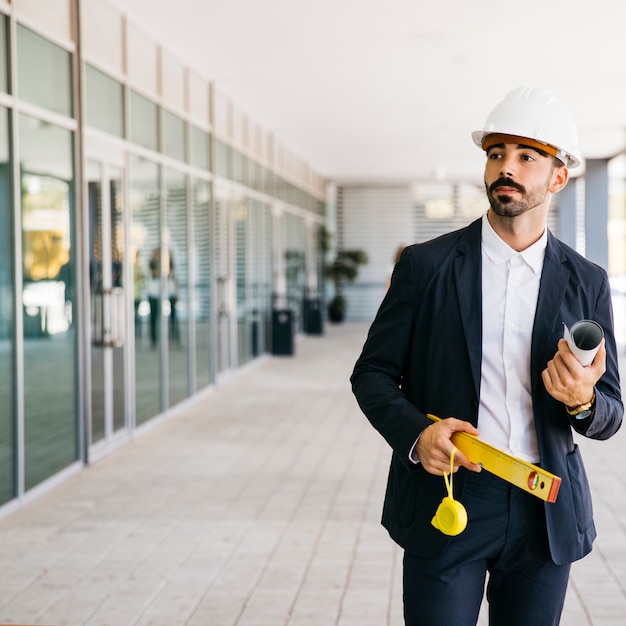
583,340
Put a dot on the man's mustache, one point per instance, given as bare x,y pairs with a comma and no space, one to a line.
506,182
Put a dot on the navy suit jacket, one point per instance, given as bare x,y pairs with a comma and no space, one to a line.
423,355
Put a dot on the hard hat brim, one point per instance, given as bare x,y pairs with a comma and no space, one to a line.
568,159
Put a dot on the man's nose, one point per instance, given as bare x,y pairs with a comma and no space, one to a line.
507,166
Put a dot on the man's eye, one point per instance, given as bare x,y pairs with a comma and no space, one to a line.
528,157
494,156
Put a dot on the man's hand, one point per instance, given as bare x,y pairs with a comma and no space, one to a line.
434,447
568,381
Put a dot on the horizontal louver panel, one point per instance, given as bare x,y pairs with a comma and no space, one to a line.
377,220
380,219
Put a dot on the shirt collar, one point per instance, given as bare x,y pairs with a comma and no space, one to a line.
500,252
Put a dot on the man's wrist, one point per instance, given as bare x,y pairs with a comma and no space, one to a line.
582,411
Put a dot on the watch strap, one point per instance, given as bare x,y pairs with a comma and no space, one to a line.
582,407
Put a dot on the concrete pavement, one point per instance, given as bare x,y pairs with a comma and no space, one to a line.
257,505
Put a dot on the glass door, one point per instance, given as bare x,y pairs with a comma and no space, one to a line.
108,300
225,283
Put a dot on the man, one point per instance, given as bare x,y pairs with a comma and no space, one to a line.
471,330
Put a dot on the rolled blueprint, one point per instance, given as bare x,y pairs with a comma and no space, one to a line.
584,340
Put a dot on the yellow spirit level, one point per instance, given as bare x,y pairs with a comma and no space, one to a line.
518,472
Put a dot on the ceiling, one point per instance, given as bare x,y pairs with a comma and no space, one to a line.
390,90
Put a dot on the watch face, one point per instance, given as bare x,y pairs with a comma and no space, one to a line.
583,414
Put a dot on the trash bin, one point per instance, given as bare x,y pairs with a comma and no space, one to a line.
313,318
282,332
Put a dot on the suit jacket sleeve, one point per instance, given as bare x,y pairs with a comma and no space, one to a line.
379,372
609,410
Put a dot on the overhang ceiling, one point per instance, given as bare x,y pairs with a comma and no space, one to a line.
390,90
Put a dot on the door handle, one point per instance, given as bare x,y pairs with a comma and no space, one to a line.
116,334
109,327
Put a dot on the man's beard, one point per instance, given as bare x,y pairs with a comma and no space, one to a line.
505,206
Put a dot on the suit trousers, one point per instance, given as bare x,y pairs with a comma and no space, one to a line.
506,537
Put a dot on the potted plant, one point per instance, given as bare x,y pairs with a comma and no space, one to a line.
345,267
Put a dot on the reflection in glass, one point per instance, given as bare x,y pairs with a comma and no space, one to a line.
200,148
50,422
104,104
253,254
294,238
319,252
176,269
260,276
201,306
174,144
242,294
223,159
94,186
240,168
144,121
145,243
7,416
118,299
224,288
258,176
106,265
44,72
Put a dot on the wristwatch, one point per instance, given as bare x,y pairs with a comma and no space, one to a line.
582,411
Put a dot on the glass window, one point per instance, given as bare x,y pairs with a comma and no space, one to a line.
260,275
223,159
174,137
93,173
104,102
202,281
200,148
242,263
106,263
253,265
257,176
145,242
47,184
176,269
7,417
279,187
144,121
4,80
44,72
271,185
294,244
240,168
319,250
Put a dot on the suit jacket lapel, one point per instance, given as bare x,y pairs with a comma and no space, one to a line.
554,280
468,277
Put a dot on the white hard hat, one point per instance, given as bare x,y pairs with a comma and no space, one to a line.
536,114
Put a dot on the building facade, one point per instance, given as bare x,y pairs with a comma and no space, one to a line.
149,231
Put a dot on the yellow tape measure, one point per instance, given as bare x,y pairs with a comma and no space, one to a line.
518,472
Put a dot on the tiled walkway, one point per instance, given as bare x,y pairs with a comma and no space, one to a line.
257,506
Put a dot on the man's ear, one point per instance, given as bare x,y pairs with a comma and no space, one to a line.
560,176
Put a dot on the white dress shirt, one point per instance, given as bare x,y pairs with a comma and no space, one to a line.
510,287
